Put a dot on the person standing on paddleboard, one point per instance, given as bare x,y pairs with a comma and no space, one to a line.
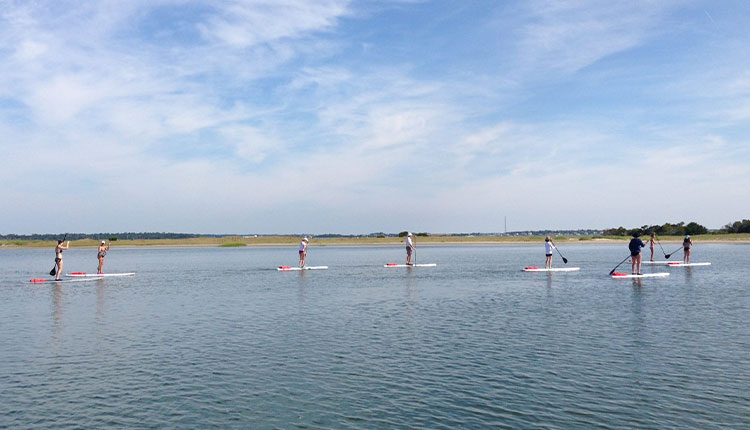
102,252
635,246
651,244
409,247
686,244
303,251
548,247
58,258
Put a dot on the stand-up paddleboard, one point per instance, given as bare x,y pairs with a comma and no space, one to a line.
656,262
98,275
54,281
681,264
617,275
410,265
550,269
293,268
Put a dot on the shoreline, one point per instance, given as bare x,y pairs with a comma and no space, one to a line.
275,241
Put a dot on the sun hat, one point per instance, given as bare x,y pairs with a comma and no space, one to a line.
103,242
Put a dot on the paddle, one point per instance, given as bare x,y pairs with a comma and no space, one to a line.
565,260
670,254
618,265
662,248
54,268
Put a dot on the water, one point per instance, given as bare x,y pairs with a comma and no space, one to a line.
215,338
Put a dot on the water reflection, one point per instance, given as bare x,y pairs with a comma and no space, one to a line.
100,301
57,309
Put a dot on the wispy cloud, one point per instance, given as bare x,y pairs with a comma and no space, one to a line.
240,115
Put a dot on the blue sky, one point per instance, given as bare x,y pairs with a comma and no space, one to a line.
362,116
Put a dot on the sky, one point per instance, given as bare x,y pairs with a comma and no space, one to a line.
337,116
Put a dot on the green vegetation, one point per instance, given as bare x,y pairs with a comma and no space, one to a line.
292,241
232,244
737,227
667,229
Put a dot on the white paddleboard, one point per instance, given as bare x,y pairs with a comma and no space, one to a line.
656,262
645,275
679,264
551,269
293,268
53,281
99,275
410,265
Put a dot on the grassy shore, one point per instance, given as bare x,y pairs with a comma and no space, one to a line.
239,241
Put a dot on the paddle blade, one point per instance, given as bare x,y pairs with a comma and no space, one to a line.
52,272
565,260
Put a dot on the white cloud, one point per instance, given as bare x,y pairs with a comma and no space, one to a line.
236,116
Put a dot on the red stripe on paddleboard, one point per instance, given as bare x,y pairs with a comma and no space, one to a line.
619,274
78,273
391,264
38,280
530,267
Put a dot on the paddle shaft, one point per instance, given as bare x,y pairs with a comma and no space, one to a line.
670,254
662,248
618,265
565,260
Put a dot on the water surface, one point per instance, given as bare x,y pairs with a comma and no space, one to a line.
217,338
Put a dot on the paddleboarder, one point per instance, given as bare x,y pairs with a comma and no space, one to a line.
58,258
303,251
635,246
548,247
651,244
409,247
101,253
686,244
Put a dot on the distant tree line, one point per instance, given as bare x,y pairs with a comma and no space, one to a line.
98,236
667,229
737,227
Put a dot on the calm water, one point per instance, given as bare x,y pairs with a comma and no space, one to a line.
215,338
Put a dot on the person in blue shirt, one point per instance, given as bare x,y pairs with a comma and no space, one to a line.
635,246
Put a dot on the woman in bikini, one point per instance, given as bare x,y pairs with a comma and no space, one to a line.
651,243
100,255
686,244
58,258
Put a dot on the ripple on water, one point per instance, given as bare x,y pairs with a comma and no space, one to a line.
205,338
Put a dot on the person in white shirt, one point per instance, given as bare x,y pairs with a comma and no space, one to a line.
303,251
548,247
409,247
